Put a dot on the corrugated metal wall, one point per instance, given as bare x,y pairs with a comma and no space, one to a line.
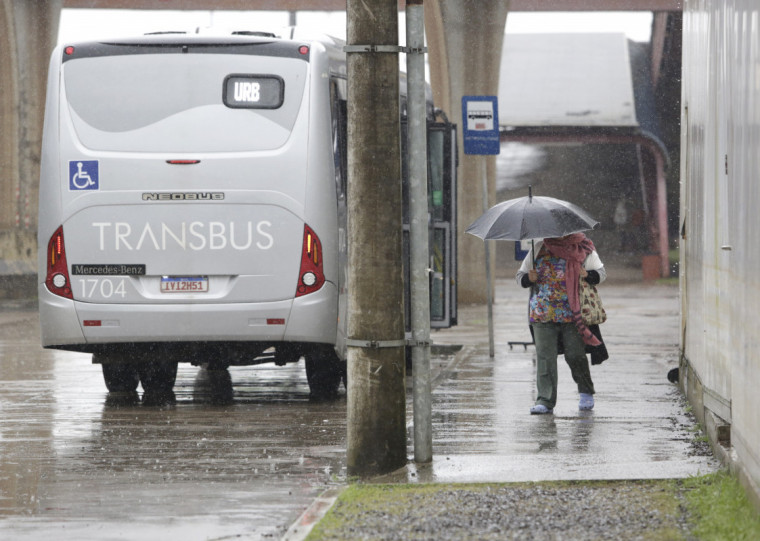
720,216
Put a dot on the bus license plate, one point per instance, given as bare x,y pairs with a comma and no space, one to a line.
184,284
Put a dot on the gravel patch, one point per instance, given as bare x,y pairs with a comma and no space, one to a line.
624,510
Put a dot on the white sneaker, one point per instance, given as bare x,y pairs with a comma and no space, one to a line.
586,402
540,409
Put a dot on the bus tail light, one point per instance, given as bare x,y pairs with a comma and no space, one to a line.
183,162
311,276
57,279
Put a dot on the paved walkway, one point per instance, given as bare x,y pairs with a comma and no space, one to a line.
482,429
639,428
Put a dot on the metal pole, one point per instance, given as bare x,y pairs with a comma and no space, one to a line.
420,278
487,244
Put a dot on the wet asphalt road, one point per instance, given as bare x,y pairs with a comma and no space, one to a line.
235,455
241,456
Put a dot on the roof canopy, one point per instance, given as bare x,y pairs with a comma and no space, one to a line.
566,80
585,88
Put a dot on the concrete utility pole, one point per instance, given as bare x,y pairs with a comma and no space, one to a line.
28,33
376,364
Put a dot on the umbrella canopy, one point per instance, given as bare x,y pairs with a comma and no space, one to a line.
531,217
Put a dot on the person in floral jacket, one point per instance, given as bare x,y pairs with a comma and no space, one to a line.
554,278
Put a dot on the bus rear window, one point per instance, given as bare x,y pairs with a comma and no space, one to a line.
183,103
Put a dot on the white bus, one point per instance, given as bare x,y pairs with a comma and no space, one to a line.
193,206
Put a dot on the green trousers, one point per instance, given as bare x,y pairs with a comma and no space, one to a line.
546,336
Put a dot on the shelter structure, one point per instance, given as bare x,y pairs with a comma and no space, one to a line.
588,89
462,37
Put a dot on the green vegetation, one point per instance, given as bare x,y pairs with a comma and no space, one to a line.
674,255
699,433
710,507
719,508
375,499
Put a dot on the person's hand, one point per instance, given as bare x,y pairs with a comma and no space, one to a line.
584,272
533,275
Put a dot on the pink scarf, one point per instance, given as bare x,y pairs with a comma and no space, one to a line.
574,249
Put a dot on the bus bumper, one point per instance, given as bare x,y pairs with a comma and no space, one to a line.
74,325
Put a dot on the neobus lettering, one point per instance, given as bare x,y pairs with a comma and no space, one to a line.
194,236
183,196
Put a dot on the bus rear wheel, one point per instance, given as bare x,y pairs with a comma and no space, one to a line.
157,376
120,377
215,365
324,371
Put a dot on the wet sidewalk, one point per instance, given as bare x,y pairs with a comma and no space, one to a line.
640,427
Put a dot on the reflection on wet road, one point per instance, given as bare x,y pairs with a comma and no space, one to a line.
239,453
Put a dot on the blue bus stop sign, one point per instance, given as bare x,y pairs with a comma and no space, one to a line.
522,249
480,118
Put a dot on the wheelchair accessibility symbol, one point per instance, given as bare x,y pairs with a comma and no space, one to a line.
83,175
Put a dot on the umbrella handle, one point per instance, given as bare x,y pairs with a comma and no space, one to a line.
533,253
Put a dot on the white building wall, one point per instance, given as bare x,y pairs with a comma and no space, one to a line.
720,213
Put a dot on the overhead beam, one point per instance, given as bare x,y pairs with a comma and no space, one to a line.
596,5
340,5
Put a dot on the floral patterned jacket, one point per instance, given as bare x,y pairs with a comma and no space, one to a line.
548,301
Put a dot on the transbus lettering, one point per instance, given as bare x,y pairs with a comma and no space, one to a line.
195,236
147,231
193,232
123,230
217,240
264,234
232,237
101,226
165,230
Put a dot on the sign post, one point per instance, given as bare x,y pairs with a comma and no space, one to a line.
480,119
418,232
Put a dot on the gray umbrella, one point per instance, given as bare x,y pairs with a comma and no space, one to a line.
531,217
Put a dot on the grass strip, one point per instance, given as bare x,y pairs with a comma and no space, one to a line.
720,509
710,507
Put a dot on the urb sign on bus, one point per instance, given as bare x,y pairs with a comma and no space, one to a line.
480,118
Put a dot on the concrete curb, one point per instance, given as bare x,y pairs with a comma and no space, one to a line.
301,528
313,514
